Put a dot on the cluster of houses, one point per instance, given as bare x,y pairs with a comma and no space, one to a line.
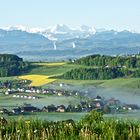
28,108
38,90
108,66
22,86
106,106
98,103
25,97
14,83
20,110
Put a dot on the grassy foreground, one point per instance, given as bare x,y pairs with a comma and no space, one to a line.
91,127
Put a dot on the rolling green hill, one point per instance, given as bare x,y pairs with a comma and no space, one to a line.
127,84
51,69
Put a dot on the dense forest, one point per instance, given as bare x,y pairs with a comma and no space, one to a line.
96,73
12,65
105,67
130,61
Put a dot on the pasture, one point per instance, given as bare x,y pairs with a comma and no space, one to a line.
52,68
54,116
7,101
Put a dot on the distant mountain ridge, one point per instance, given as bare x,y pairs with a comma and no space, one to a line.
17,40
55,32
63,42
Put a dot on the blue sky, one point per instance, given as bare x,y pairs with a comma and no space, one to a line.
110,14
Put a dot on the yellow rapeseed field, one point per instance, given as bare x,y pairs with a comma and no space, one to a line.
37,80
50,64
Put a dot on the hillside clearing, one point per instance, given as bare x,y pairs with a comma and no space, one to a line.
50,69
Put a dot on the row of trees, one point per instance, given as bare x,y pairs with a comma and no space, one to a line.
99,73
11,65
131,61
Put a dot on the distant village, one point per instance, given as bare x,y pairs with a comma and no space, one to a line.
98,103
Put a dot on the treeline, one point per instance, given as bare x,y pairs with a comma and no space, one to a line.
130,61
96,73
12,65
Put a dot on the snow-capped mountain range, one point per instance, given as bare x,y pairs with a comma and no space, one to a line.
57,32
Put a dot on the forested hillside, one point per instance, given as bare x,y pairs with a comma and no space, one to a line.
130,61
105,67
12,65
100,73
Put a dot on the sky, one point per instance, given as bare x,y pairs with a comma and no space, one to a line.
109,14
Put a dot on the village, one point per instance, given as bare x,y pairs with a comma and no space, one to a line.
97,103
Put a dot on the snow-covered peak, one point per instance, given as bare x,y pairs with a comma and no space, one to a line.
92,29
59,28
56,29
16,27
85,28
57,32
24,28
36,30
